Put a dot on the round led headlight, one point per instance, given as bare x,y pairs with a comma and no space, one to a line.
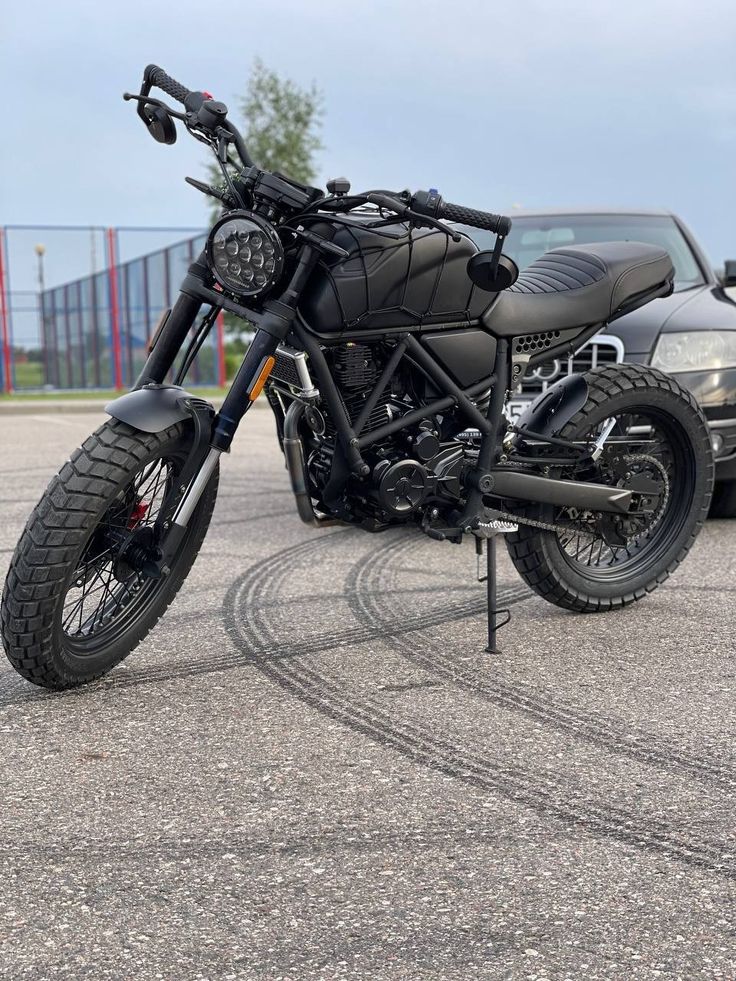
244,253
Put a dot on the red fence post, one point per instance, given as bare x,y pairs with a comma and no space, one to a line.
221,366
114,309
5,335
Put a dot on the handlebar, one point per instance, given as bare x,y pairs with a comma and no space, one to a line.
430,203
208,112
154,75
478,219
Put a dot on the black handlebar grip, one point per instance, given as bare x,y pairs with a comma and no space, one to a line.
478,219
157,76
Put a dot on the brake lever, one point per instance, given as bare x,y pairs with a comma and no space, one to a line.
427,220
396,205
147,100
403,210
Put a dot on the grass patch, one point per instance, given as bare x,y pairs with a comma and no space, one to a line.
28,374
87,393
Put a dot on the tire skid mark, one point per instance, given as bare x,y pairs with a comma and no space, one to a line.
229,660
684,588
16,683
254,489
215,840
246,518
542,793
15,691
367,581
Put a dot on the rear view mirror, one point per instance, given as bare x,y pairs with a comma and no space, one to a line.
729,273
485,277
160,124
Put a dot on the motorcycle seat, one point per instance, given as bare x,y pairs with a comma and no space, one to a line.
581,285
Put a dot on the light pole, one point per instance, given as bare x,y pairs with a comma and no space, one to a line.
40,251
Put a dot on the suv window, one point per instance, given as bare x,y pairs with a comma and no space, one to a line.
532,236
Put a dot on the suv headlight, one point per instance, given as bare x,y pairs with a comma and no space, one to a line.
245,254
702,350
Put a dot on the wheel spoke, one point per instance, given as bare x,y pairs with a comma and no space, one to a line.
642,442
88,589
101,593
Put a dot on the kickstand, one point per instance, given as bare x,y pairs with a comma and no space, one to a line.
490,579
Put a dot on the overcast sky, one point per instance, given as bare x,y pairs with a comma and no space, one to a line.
535,103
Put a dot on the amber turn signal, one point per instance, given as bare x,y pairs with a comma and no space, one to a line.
260,381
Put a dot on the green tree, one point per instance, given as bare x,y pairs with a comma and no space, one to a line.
282,122
281,130
281,125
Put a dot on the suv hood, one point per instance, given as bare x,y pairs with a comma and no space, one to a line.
700,308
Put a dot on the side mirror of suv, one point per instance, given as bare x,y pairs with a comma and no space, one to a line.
729,272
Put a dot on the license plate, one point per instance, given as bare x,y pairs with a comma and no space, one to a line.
514,409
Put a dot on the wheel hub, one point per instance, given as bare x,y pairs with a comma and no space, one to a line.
647,479
137,552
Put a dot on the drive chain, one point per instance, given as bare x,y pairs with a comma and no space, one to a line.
518,519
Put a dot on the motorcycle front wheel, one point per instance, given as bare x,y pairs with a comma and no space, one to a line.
661,433
72,607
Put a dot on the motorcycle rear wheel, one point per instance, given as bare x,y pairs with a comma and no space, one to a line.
72,608
595,578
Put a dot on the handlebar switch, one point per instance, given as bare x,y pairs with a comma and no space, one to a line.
211,114
427,202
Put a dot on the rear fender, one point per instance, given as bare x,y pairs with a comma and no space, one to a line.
553,409
154,408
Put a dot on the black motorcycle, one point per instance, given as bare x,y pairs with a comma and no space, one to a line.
388,347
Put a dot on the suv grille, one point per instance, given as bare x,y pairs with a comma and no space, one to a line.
599,350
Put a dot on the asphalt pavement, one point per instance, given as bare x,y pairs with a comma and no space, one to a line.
312,770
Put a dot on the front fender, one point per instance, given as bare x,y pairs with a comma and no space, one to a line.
551,410
152,408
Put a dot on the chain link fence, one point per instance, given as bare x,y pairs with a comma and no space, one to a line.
79,304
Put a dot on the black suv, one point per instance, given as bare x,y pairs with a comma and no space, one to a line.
691,334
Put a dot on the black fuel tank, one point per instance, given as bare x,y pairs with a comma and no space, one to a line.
398,278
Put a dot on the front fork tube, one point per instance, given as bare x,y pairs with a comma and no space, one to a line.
170,340
274,323
239,399
245,389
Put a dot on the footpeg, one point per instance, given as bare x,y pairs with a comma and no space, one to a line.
494,526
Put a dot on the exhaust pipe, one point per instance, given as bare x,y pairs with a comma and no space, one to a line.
297,468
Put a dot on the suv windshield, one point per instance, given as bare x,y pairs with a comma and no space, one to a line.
533,235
